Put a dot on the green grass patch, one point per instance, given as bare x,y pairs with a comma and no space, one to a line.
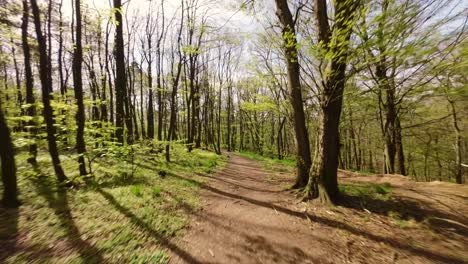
368,191
123,213
272,164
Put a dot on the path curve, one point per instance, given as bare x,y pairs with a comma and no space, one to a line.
245,219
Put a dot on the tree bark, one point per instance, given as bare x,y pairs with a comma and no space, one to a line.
457,143
295,94
7,157
120,78
78,89
46,85
323,182
29,83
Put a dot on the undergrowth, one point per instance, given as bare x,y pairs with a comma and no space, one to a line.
123,213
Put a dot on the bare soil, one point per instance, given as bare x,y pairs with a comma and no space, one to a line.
247,217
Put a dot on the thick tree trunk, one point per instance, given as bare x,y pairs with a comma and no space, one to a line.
323,183
120,78
295,94
46,84
7,157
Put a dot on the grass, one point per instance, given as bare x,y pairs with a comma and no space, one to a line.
122,215
367,191
272,164
400,221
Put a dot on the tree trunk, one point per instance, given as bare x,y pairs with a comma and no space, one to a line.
295,93
120,78
150,114
173,115
7,157
457,143
323,183
46,85
401,169
78,88
29,82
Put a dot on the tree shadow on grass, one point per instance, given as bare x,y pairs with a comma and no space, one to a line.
147,228
409,209
58,201
8,232
395,243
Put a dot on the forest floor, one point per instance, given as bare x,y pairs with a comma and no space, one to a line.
125,213
247,217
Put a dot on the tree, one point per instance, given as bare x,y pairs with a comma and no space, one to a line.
323,183
46,85
175,84
78,88
7,157
120,76
29,81
295,93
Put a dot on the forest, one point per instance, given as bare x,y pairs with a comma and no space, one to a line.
250,131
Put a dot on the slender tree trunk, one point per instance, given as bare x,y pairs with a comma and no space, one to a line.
31,111
46,84
63,89
295,93
109,76
228,138
142,115
457,143
19,95
150,113
78,89
175,78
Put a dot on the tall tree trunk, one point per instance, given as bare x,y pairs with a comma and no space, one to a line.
142,115
19,95
173,103
46,85
29,83
150,113
228,138
7,157
457,143
78,89
401,169
323,182
63,88
120,79
109,76
295,93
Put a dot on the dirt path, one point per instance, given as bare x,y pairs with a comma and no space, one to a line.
246,218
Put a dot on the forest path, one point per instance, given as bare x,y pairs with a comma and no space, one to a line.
245,220
248,218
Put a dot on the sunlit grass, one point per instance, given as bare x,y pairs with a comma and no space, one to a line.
121,214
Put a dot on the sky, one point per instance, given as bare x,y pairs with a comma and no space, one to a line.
223,11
